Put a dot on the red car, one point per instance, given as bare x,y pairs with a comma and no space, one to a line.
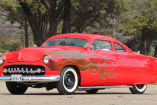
75,61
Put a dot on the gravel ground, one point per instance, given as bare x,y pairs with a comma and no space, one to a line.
116,96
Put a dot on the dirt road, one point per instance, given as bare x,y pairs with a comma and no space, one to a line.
119,96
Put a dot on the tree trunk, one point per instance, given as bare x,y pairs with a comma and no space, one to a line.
155,53
66,21
53,27
34,24
143,49
22,42
43,25
26,33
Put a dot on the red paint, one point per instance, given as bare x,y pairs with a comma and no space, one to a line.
119,68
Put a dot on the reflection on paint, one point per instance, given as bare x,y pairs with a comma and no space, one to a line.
3,55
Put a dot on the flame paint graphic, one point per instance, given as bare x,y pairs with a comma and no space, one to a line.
92,62
100,64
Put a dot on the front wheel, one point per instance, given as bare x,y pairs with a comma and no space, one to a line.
138,89
68,81
16,88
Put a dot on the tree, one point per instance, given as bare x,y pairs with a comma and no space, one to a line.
7,44
14,13
66,19
77,15
9,37
140,19
45,16
94,13
42,16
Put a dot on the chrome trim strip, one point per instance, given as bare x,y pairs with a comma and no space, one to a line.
32,78
95,87
103,87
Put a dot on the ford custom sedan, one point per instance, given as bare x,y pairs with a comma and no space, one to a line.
76,61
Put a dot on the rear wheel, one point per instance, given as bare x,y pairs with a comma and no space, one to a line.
68,81
16,88
138,89
92,91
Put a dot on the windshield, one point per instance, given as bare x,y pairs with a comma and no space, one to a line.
65,42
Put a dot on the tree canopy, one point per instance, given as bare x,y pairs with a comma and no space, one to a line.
45,16
140,19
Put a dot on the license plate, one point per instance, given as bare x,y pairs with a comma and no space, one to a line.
16,77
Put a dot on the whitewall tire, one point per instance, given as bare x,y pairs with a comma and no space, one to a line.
138,89
68,81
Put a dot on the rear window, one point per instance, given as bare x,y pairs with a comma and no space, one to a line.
119,48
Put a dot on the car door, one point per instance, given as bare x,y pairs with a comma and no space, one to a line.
104,66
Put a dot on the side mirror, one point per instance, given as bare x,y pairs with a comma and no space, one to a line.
86,45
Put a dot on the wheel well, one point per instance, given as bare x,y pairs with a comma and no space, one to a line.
78,72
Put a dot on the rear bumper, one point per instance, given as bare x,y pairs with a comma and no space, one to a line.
32,79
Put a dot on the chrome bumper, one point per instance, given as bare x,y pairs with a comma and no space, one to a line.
32,79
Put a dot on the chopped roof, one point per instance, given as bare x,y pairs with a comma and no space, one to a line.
81,35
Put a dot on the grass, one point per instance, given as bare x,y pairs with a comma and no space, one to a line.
119,96
154,83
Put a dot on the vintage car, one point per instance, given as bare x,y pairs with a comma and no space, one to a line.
77,61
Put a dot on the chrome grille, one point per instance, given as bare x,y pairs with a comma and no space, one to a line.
24,70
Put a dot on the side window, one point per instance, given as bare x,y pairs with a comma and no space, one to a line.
119,48
102,45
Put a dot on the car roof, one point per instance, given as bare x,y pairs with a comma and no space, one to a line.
82,35
88,36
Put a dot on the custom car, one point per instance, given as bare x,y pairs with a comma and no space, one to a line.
77,61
